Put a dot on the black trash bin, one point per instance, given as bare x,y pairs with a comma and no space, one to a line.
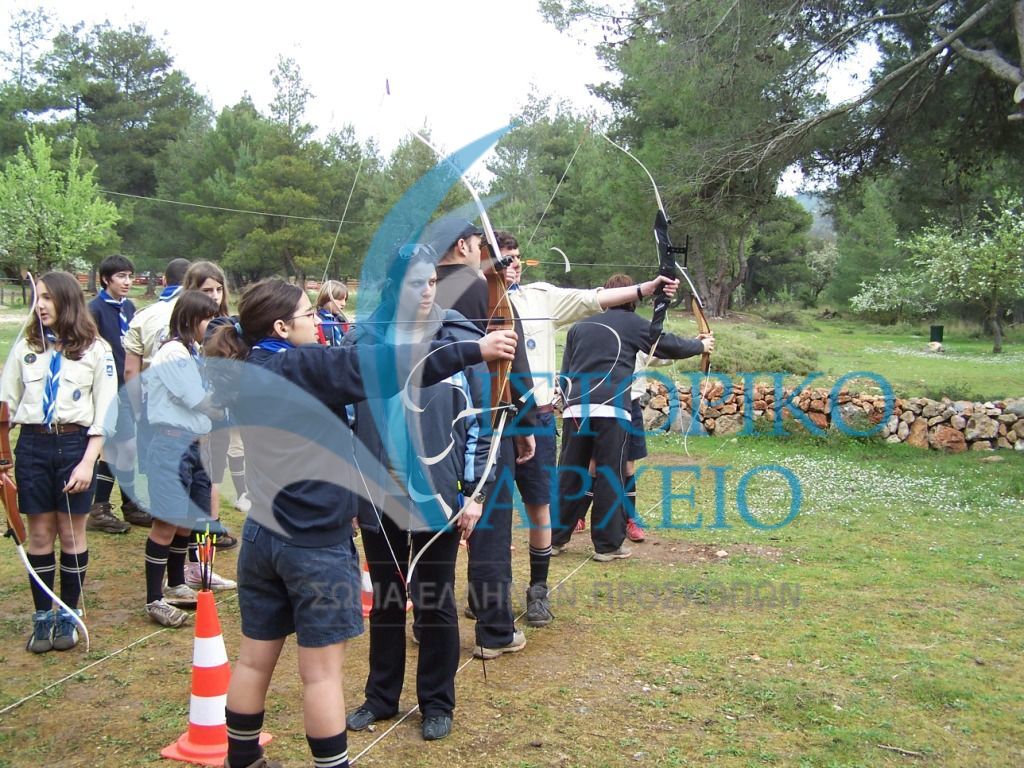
937,333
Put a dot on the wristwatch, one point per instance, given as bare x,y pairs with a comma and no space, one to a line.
480,498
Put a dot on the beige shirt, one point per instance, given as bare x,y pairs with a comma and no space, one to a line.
86,395
148,329
546,308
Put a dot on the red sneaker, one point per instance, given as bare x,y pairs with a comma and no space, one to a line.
581,526
634,532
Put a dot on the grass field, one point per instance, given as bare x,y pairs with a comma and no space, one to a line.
881,627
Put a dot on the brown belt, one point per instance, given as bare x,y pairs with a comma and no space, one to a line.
54,429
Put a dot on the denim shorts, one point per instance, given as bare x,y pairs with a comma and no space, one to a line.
314,592
43,464
534,477
179,488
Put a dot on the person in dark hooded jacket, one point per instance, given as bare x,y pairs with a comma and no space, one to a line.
435,443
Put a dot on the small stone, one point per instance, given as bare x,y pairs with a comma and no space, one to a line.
721,553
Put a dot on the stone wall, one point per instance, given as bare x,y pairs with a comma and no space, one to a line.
950,425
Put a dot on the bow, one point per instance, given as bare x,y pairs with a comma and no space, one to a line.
669,267
15,527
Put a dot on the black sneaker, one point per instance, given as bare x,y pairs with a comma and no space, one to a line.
538,607
436,727
362,718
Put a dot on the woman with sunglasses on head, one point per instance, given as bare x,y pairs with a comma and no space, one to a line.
447,420
59,383
298,571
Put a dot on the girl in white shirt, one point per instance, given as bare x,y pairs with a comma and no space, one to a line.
59,383
179,410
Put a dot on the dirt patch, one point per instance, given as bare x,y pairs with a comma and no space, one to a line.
657,550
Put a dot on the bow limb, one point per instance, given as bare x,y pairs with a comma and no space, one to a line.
492,458
668,266
15,526
666,263
499,307
560,252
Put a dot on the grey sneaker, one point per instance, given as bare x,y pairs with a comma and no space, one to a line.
65,631
41,639
101,518
181,596
517,643
165,614
538,607
619,554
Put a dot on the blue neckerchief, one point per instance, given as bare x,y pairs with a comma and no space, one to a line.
331,327
169,292
273,344
52,384
122,321
513,287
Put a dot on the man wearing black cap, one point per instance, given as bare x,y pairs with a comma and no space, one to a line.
459,283
461,287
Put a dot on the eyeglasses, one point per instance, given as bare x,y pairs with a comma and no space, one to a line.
310,313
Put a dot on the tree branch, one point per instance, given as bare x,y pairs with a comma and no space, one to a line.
750,157
989,58
844,36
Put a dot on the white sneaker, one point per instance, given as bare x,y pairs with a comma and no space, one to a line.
181,596
242,504
217,583
165,614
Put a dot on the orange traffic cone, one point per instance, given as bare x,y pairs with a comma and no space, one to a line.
367,591
206,741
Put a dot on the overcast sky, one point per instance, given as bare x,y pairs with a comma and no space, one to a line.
463,66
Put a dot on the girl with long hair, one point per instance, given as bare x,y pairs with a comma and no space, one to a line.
59,382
